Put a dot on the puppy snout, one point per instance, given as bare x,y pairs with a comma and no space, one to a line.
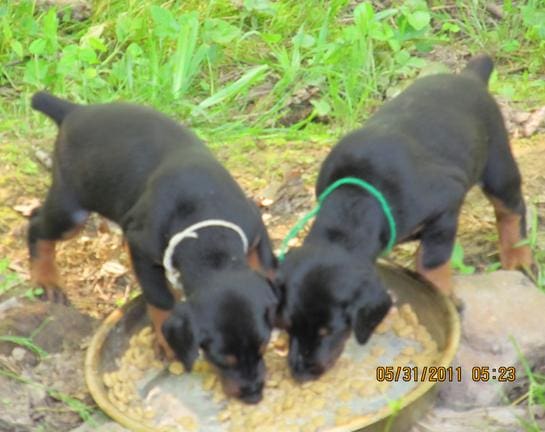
304,369
249,392
252,393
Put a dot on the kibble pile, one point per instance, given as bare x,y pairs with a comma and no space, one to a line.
342,395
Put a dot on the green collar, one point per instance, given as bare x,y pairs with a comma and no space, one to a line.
345,180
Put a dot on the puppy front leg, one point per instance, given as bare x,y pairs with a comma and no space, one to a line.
159,298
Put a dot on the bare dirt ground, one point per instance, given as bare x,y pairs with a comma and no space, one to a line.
97,276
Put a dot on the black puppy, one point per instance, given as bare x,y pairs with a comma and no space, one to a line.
423,151
155,179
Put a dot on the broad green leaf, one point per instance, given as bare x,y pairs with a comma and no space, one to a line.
321,107
271,37
419,19
263,6
50,24
165,24
37,47
17,47
220,31
304,40
87,55
364,14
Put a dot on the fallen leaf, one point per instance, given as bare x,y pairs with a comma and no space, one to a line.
114,268
27,206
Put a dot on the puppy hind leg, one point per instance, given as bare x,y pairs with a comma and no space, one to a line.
501,182
58,219
511,231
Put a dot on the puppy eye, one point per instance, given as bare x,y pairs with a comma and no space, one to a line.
324,331
230,360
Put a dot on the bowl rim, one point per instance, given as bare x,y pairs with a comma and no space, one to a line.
98,393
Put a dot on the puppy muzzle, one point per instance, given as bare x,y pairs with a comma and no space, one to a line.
250,393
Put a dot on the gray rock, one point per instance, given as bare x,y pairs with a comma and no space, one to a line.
100,422
36,395
489,419
503,311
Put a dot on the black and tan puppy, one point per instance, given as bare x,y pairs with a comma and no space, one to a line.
154,178
423,151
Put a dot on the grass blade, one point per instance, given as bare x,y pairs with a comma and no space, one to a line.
243,83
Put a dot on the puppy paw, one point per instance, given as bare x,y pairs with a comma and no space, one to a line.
516,258
52,291
162,348
54,294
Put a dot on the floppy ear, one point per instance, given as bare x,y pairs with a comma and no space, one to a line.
278,286
279,289
181,334
271,308
370,308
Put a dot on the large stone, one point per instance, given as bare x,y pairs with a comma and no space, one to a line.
53,327
100,422
502,323
489,419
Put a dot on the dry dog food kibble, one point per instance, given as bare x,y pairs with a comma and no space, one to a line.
286,405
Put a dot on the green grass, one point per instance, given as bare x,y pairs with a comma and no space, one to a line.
8,279
231,71
535,394
84,411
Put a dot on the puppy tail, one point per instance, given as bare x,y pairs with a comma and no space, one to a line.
480,66
52,106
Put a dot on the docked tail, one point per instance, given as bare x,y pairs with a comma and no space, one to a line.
52,106
480,66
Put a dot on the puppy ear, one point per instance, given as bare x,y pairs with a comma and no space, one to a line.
279,289
181,334
278,286
370,308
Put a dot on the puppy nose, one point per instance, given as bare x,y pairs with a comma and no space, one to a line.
304,369
252,393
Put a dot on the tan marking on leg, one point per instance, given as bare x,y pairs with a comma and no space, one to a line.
508,225
440,277
43,271
158,317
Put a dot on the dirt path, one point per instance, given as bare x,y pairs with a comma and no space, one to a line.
97,277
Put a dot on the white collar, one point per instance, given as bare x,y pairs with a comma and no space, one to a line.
172,274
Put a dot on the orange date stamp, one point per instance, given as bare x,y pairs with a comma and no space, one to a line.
444,374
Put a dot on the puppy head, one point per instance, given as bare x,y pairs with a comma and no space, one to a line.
325,296
231,321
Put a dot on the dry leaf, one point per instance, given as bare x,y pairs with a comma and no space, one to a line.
27,206
114,268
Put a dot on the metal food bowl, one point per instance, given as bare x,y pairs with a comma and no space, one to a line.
434,311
